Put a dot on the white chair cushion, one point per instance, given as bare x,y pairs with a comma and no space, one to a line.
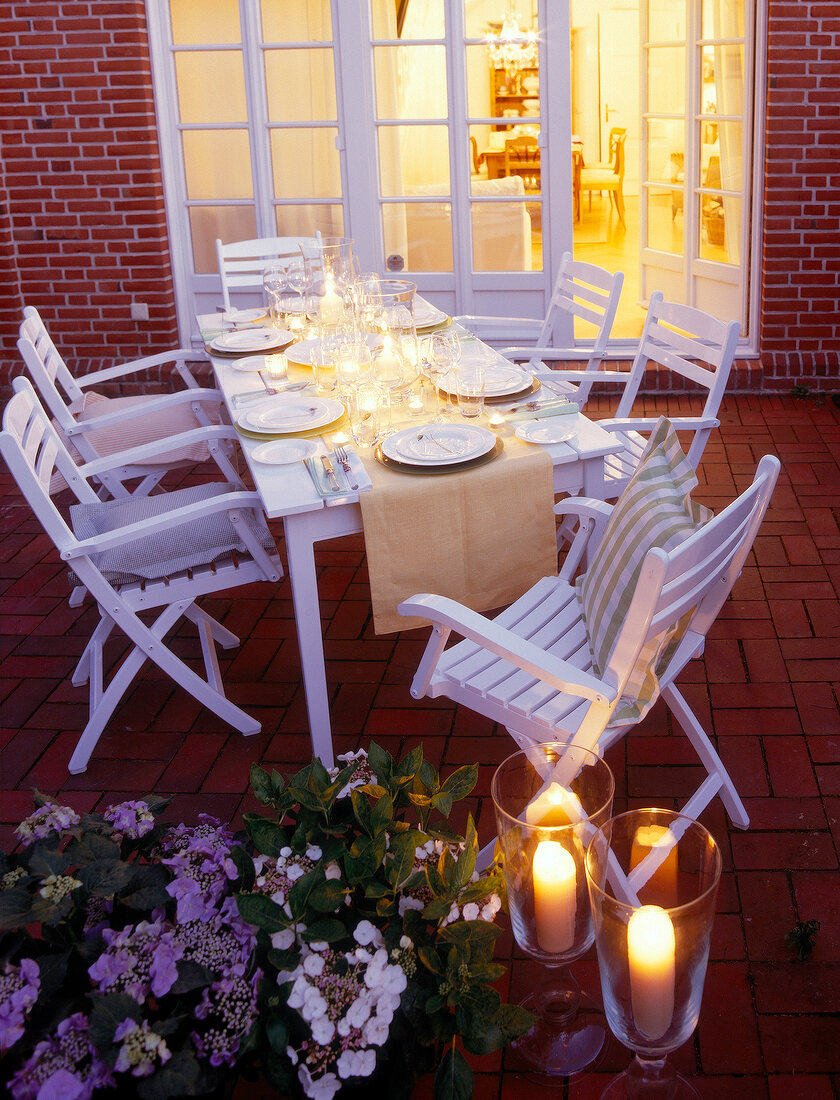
655,509
183,546
141,429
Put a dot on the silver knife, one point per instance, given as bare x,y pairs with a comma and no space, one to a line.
330,472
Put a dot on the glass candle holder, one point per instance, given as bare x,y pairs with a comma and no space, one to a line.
549,799
653,877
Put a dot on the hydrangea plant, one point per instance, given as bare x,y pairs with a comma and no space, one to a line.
376,930
126,965
346,943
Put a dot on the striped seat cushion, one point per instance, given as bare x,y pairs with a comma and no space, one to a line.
654,510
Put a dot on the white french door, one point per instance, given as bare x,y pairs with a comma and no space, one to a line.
355,117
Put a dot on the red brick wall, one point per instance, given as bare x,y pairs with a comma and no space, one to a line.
82,220
82,179
800,323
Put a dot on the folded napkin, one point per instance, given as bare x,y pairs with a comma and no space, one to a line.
481,536
550,408
318,475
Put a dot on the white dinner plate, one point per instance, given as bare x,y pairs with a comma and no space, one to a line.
425,314
291,414
499,380
539,431
438,444
252,363
255,339
244,316
299,353
282,452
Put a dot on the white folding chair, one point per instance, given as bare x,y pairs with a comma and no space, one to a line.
581,290
690,344
532,668
95,425
241,263
161,552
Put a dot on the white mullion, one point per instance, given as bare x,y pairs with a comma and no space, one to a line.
458,132
256,98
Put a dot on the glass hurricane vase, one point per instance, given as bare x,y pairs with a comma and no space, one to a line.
653,877
549,799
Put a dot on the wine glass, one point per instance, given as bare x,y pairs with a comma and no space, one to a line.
653,877
446,354
275,281
549,799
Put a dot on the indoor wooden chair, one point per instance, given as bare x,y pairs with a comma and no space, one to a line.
532,669
158,553
581,290
94,425
242,263
608,177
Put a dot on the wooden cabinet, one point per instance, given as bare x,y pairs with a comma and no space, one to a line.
510,93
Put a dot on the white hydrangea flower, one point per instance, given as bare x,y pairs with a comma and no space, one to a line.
283,940
313,964
365,933
314,852
332,871
471,911
375,1032
347,1064
285,852
324,1088
323,1030
359,1011
295,872
491,907
320,946
292,1055
405,941
406,903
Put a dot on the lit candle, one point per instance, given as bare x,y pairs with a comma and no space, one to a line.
277,366
554,896
556,805
331,305
661,887
651,950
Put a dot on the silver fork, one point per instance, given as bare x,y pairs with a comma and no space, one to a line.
343,460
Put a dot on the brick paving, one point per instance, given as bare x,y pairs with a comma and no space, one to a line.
767,688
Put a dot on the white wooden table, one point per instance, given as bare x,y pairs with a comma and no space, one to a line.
287,493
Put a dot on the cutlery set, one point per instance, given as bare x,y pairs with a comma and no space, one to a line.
341,456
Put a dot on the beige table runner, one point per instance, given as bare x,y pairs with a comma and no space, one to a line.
482,536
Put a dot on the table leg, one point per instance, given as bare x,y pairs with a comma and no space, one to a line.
300,553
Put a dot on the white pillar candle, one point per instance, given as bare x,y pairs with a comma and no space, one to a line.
556,805
554,896
331,306
651,950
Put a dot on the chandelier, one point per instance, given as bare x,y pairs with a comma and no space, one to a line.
513,49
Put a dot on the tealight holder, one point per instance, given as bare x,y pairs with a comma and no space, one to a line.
653,877
549,799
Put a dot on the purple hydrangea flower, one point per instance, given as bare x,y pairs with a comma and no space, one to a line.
19,988
63,1066
141,1048
50,818
131,819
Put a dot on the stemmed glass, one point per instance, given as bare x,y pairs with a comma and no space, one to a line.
549,800
387,371
653,877
275,281
446,355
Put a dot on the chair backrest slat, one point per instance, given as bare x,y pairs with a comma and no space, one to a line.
586,291
241,263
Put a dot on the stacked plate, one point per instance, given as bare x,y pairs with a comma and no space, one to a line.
437,447
503,381
291,415
248,341
426,315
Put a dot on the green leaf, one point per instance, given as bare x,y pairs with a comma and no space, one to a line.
462,782
362,810
308,798
381,763
329,930
147,886
191,975
400,864
454,1078
45,862
268,837
442,802
383,814
428,776
92,847
328,895
437,908
180,1076
364,859
108,1012
430,959
53,970
15,908
261,911
277,1033
157,803
245,868
299,894
261,783
411,762
105,877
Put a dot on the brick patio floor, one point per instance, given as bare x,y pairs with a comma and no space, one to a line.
767,688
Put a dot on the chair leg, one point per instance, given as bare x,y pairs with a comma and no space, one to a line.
619,205
148,644
718,775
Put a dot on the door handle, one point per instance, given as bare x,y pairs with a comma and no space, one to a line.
609,111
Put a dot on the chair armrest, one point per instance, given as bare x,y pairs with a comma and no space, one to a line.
450,615
205,434
593,516
186,514
491,326
527,352
648,423
155,403
122,369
